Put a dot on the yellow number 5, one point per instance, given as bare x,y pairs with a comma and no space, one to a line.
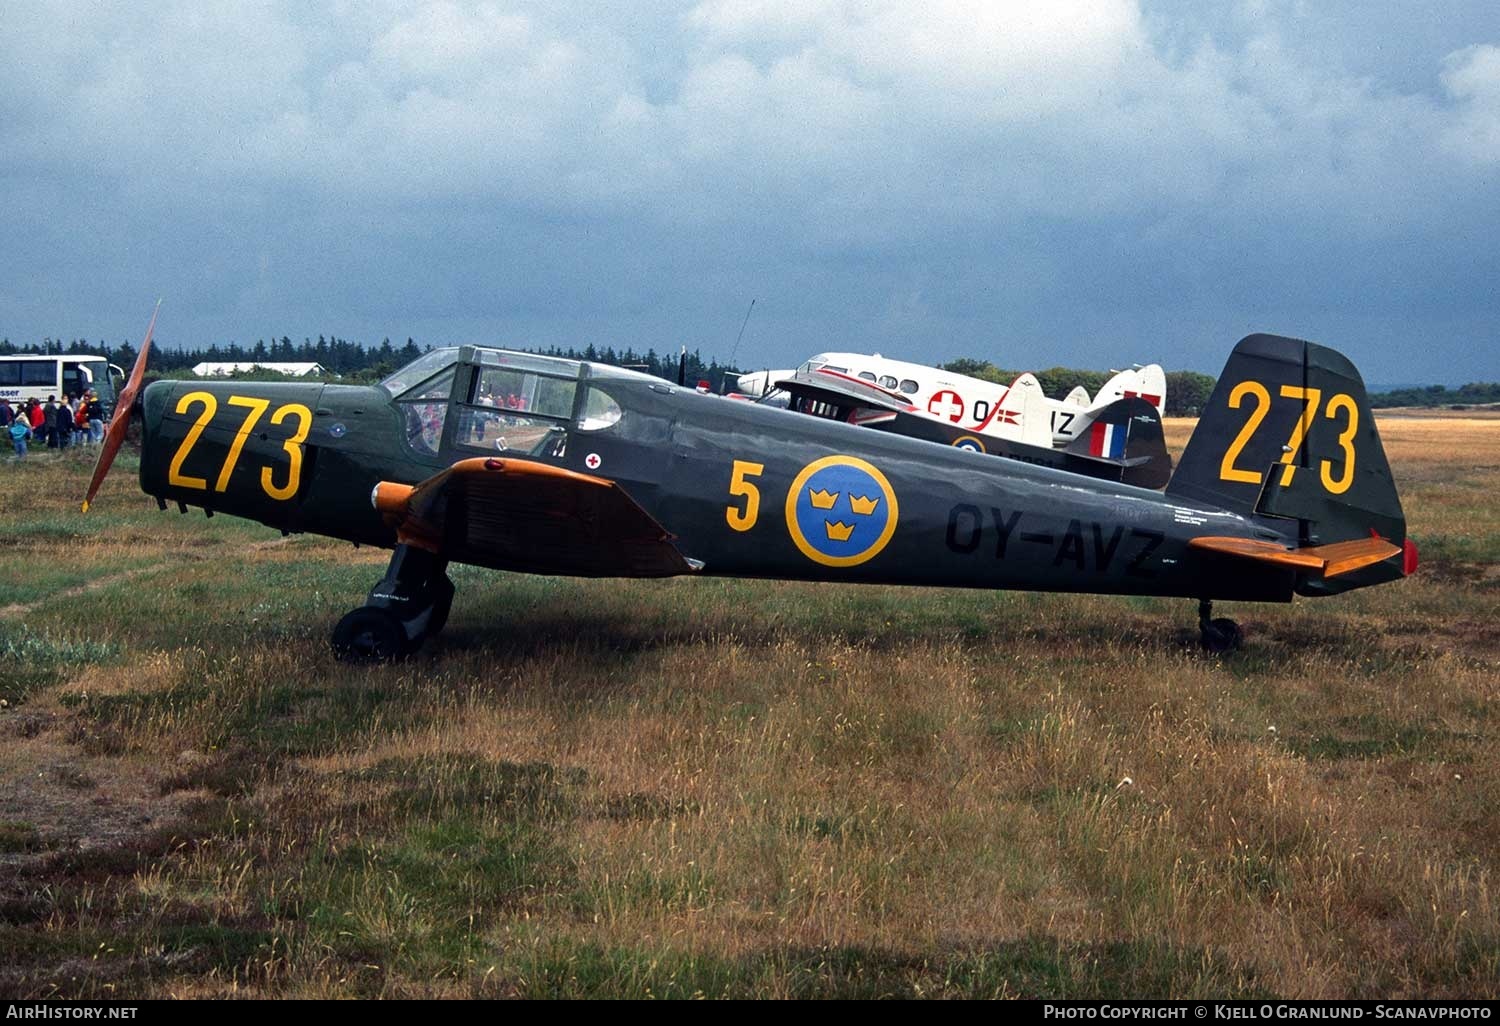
744,519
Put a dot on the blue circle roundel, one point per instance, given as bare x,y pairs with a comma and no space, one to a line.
841,511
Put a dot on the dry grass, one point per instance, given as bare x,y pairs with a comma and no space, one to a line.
740,788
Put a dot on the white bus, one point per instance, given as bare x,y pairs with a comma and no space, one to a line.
37,377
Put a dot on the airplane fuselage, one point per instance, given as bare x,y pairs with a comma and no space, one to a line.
745,490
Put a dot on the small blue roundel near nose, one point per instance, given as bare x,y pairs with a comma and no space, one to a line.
841,511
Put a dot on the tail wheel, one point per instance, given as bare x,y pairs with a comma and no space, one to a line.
1221,635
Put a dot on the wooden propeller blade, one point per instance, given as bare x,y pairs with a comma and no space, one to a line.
120,422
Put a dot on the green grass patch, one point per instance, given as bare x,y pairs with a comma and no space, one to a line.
1030,968
16,837
1371,737
21,647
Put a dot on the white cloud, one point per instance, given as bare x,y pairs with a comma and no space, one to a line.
1035,134
880,118
1472,78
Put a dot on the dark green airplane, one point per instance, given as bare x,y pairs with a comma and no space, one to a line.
550,466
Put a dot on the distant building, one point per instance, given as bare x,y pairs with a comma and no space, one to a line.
294,370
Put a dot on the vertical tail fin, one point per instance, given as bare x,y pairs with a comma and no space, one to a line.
1148,383
1129,432
1288,436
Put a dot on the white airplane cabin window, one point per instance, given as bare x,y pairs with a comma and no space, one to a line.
887,381
867,375
909,386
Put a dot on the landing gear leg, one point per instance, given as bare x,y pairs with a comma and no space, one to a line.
1217,635
408,606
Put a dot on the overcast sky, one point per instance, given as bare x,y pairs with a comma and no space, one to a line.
1079,182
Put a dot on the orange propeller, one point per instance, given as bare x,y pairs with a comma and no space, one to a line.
114,437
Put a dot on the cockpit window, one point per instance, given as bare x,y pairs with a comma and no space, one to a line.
600,411
439,386
510,410
420,369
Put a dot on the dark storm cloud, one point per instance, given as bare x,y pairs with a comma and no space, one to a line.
1083,182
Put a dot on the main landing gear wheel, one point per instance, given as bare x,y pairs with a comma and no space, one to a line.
442,602
408,606
1217,634
369,635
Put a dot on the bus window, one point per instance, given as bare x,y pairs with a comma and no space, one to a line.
39,374
74,380
10,373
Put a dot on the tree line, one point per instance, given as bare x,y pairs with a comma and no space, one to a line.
1476,393
1187,391
357,362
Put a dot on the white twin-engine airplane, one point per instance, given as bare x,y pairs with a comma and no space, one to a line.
1019,412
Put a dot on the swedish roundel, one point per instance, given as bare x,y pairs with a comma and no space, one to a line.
841,511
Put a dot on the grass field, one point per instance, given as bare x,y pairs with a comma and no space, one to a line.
702,787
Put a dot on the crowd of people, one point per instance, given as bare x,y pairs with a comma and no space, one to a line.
76,420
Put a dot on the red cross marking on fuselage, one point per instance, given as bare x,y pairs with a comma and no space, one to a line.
947,403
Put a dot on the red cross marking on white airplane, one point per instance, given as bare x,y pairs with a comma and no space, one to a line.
947,403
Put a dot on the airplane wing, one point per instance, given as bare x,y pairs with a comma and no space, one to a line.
842,390
517,515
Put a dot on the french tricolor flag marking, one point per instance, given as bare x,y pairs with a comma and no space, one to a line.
1107,440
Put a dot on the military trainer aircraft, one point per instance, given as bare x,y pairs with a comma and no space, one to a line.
550,466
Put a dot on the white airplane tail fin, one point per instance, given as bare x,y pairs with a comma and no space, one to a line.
1148,383
1027,398
1078,397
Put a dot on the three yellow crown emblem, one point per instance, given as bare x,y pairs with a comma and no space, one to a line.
824,500
862,505
838,530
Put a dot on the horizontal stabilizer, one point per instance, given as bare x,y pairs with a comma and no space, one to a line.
1320,560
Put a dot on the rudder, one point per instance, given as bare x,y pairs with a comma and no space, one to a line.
1288,436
